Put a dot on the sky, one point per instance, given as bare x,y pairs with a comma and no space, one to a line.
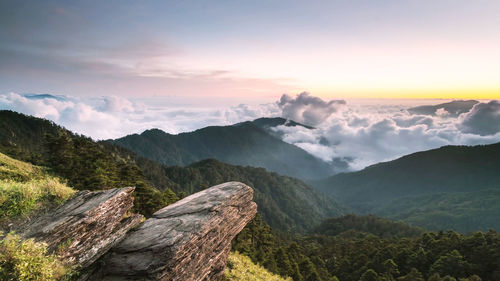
251,50
352,69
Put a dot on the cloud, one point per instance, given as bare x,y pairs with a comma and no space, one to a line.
483,119
308,109
368,134
360,134
114,116
117,104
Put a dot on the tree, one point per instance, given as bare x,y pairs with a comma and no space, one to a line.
471,278
308,270
391,269
452,264
369,275
413,275
435,277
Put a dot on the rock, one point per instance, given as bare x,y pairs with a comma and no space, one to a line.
188,240
86,226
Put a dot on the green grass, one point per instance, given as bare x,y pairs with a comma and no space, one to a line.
15,170
25,188
27,260
19,199
241,268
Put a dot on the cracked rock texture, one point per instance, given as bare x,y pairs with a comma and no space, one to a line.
86,226
188,240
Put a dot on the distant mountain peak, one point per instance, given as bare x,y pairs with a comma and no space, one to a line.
267,122
453,108
43,96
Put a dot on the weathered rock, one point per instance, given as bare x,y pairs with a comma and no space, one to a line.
86,226
188,240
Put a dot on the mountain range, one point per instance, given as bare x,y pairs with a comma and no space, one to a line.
455,187
452,187
285,203
246,144
453,108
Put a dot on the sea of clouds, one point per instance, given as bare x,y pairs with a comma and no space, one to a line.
362,134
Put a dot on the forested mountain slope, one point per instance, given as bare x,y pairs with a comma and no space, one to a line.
286,203
351,224
354,248
454,187
246,144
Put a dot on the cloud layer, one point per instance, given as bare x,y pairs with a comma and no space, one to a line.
369,134
361,134
114,117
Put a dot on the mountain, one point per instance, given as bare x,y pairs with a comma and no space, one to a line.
350,225
454,108
454,187
286,203
85,164
246,144
352,246
269,122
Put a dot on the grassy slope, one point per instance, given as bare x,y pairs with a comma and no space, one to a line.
241,268
25,188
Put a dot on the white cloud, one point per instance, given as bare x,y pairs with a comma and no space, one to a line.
118,104
483,119
373,133
308,109
362,134
114,117
441,112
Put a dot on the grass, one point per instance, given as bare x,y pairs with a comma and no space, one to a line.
25,188
15,170
241,268
20,199
27,260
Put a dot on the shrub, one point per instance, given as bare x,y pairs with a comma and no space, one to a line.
28,261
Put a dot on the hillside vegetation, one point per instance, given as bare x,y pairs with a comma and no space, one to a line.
453,187
84,163
351,224
241,268
25,188
353,255
287,204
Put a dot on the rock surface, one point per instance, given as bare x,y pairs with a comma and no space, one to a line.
86,226
188,240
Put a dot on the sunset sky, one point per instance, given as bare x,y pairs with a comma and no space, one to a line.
252,49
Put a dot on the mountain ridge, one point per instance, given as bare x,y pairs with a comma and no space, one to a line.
244,143
97,165
447,173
